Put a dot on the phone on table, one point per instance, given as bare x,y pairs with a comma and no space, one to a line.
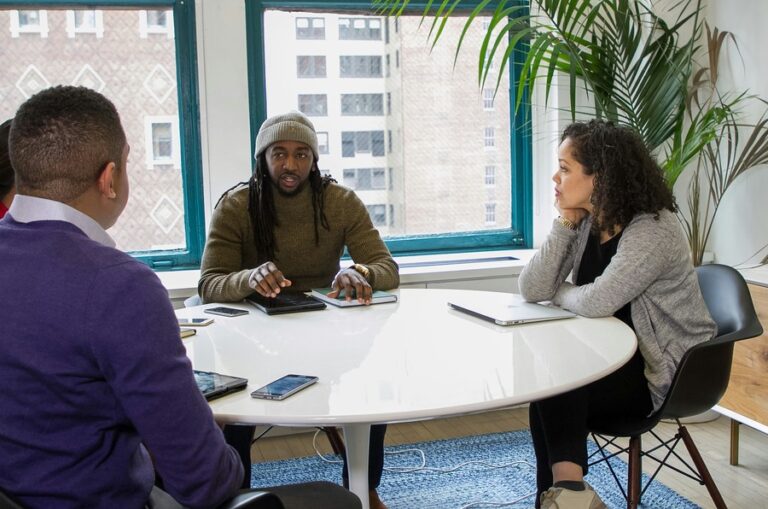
284,386
225,311
195,322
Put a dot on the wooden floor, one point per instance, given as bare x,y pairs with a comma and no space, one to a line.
743,487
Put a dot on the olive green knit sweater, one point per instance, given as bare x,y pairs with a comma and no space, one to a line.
230,252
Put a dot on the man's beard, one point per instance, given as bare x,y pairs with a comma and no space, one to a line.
292,193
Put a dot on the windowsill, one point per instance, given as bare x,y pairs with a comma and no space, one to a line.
414,270
756,275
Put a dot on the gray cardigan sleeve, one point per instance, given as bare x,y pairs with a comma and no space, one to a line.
549,267
641,258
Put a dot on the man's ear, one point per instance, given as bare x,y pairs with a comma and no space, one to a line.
106,180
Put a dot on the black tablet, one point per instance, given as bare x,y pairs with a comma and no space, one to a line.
215,385
285,303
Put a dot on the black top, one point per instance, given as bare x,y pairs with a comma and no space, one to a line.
595,259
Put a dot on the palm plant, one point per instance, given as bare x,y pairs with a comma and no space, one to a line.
636,68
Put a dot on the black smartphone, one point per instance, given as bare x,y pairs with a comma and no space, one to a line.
225,311
284,386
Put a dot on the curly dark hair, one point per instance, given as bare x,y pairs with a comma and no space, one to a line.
628,181
261,206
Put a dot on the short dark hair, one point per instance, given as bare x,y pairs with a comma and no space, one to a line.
61,139
628,181
6,170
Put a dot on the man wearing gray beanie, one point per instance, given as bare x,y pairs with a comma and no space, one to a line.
285,231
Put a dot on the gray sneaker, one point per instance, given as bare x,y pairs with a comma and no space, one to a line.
561,498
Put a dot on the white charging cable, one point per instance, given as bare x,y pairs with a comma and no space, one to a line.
423,468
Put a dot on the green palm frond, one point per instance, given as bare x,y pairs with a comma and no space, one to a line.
637,68
629,61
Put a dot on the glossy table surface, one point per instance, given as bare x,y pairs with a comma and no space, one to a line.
405,361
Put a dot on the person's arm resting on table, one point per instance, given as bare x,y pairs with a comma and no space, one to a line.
550,266
374,268
642,257
222,276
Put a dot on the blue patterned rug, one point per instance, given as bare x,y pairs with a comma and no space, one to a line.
471,486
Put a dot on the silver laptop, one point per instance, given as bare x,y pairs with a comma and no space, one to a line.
506,308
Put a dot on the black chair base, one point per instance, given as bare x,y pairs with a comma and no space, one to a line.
635,489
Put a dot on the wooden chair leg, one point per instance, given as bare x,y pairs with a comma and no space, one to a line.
337,444
702,468
634,472
735,442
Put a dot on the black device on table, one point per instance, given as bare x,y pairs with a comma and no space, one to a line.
215,385
285,303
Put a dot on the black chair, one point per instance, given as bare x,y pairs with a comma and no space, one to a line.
251,500
699,382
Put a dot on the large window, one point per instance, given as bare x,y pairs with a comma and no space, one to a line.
310,28
360,66
362,104
378,213
488,94
162,142
28,21
490,175
85,21
322,142
142,58
423,146
363,29
313,105
156,22
365,179
362,142
310,66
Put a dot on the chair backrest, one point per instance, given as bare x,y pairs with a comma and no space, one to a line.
702,376
7,502
246,500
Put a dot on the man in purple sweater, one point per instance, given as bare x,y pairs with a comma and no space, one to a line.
93,373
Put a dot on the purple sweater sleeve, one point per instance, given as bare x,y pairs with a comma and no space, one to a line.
145,364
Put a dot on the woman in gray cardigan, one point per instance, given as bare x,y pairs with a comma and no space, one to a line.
618,237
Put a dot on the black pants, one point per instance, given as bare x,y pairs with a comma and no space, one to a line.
240,436
560,425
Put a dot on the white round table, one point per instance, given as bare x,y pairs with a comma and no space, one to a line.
406,361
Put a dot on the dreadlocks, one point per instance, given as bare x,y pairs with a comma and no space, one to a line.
261,206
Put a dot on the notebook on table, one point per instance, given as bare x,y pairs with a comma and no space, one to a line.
285,303
506,308
215,385
378,297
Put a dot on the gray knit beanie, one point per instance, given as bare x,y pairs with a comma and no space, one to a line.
291,126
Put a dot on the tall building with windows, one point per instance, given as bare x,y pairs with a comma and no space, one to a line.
130,57
331,67
422,146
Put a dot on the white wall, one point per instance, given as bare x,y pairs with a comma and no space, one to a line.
741,229
224,116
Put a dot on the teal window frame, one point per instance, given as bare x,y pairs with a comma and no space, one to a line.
519,235
189,122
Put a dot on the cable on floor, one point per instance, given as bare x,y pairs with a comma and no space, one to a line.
424,468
